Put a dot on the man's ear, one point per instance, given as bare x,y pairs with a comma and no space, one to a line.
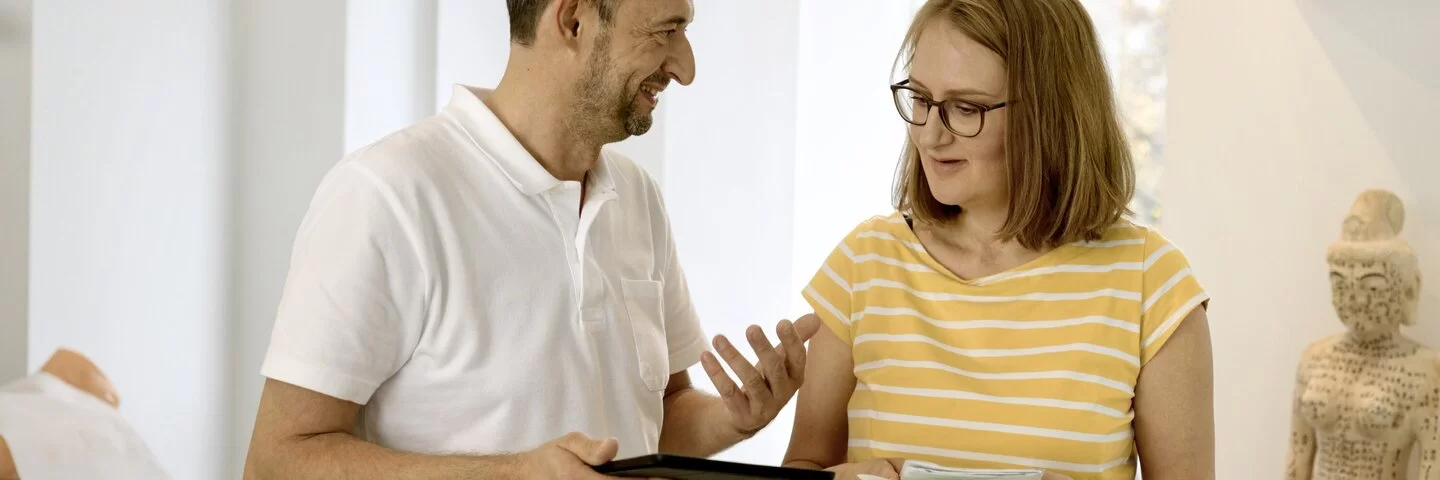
567,20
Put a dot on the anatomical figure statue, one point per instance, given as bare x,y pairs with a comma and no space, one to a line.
1367,398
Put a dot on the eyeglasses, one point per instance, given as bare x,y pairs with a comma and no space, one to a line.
960,117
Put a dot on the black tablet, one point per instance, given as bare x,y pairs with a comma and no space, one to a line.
689,468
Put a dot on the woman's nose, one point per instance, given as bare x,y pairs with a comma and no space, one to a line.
933,133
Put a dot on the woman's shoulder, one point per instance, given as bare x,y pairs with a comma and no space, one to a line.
882,235
882,223
1132,232
879,231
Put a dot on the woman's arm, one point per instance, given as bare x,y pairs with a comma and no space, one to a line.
822,426
1174,406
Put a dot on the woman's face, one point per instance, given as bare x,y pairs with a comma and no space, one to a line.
961,171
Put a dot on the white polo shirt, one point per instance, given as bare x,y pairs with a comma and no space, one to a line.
446,281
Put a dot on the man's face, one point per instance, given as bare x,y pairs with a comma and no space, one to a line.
635,57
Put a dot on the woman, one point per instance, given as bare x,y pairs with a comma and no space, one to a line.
1007,316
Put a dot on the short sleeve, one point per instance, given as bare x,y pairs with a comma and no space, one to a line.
353,305
684,336
829,291
1169,293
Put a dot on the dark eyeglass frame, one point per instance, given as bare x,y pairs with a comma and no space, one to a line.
931,103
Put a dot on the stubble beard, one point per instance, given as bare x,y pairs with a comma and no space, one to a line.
606,112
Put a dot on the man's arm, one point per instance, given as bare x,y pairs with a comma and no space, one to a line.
1174,406
303,434
699,424
696,423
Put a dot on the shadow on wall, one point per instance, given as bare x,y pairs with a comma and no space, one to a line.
1385,55
1384,52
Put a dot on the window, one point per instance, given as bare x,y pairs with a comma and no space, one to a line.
1133,34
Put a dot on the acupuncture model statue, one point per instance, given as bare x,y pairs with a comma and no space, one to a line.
1367,398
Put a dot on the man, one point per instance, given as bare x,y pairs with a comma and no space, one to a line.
490,281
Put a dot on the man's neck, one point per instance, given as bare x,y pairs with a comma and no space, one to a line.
544,127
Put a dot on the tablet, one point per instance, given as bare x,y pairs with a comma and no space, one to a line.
690,468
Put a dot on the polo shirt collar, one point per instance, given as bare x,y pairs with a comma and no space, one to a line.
490,135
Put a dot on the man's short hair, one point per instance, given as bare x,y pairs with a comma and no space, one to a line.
525,17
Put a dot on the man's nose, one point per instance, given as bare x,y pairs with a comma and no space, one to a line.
681,64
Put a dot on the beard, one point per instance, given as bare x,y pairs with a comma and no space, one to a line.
608,107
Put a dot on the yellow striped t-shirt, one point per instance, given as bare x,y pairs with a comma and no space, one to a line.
1032,367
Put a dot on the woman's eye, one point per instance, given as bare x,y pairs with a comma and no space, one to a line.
964,109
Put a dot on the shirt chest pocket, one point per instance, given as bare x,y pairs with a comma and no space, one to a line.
645,312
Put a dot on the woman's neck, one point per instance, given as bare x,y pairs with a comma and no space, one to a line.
978,231
970,244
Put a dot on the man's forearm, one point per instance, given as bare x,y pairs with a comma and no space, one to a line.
696,424
342,456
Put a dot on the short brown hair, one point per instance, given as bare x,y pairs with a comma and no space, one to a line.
525,17
1068,163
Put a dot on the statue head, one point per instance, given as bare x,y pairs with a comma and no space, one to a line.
1374,275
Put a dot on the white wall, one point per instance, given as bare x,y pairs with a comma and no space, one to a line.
389,67
849,136
472,42
128,205
729,176
290,129
1278,117
15,20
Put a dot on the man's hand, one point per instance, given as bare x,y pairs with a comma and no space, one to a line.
570,456
770,383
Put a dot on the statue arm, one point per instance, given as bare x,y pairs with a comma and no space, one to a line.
1302,435
1429,442
1427,434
